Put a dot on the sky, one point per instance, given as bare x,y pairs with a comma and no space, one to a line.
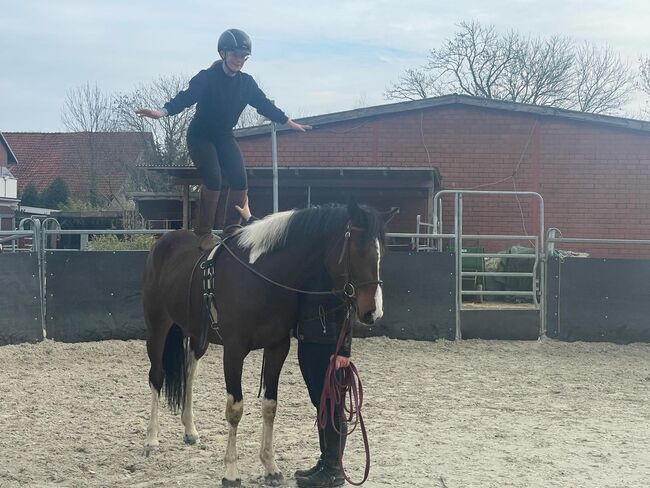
311,57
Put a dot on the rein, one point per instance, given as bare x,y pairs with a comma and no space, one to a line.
348,289
345,391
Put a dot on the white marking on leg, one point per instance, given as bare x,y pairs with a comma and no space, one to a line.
267,454
153,430
234,412
379,297
187,417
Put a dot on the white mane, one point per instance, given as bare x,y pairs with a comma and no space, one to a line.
263,235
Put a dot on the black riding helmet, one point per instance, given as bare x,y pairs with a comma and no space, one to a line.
235,40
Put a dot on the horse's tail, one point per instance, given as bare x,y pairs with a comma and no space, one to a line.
175,367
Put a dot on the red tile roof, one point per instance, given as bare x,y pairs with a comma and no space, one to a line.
75,156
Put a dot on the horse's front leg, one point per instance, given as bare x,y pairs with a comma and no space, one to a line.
273,360
233,361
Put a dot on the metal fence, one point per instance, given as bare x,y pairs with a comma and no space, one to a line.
50,285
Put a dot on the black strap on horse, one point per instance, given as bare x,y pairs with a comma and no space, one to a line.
208,319
343,389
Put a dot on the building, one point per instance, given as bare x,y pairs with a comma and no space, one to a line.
89,162
593,171
8,186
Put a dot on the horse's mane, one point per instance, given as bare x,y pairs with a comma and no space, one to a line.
276,230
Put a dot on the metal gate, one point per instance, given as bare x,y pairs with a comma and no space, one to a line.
536,292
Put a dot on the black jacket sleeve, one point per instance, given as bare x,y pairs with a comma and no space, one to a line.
264,106
187,98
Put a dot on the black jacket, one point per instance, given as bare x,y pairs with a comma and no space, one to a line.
321,317
220,100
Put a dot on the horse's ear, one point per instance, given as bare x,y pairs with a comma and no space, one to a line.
354,211
387,216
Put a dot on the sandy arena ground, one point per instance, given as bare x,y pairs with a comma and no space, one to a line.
448,415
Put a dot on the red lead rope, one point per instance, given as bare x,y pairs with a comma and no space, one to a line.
344,390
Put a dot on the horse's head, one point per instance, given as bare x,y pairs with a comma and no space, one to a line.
358,261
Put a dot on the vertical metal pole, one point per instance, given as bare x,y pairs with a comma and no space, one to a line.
458,258
274,159
543,264
308,196
418,219
186,207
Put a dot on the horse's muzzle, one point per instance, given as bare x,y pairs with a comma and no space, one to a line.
368,317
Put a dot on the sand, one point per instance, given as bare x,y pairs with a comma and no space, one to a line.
449,415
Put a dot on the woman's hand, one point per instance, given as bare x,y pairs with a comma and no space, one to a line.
341,362
244,211
149,112
300,127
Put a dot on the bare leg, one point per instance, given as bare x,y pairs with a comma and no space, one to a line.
274,359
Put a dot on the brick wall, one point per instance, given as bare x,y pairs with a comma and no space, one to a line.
595,179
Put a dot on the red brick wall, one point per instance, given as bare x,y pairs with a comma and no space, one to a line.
595,180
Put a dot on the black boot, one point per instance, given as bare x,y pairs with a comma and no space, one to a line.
303,473
208,200
330,473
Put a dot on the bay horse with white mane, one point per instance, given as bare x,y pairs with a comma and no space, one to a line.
256,291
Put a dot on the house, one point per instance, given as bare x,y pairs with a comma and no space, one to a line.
8,186
95,165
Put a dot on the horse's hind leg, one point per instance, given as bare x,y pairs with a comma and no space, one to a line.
233,361
155,348
187,417
273,360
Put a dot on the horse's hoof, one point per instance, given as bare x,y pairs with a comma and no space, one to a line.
274,479
190,440
230,483
149,450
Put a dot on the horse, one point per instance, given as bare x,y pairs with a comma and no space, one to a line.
259,272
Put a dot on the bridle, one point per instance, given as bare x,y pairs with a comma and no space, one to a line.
349,288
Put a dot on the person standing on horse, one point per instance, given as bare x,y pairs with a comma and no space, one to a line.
220,93
320,319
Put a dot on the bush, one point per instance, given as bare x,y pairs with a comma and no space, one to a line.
111,242
29,196
55,194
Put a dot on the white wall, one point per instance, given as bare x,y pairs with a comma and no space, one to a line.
8,187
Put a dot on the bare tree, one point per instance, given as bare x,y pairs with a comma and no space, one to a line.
250,118
539,73
414,84
474,60
602,80
169,132
87,109
644,69
478,61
